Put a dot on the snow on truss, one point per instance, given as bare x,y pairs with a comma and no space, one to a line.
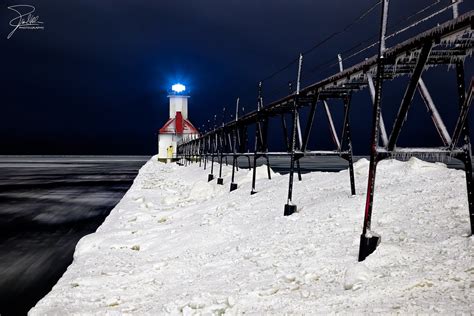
177,244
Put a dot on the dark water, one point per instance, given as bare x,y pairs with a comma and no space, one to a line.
46,205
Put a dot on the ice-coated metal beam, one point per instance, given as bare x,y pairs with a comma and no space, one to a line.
383,131
309,124
332,128
409,93
461,122
437,120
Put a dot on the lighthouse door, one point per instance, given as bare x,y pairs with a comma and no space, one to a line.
169,152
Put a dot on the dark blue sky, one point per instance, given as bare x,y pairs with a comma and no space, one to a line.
94,80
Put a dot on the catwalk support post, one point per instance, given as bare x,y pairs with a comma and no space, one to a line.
210,177
290,207
222,147
346,143
368,240
462,128
258,137
233,185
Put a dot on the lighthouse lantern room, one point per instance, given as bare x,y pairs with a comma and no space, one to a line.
177,127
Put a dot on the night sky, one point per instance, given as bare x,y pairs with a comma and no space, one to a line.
95,80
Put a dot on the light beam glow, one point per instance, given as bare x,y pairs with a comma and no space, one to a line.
178,88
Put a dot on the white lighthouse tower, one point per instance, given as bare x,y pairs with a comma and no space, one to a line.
177,127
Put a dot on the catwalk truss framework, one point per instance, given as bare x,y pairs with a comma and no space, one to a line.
445,45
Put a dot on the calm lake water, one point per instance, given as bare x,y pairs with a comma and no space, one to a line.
46,205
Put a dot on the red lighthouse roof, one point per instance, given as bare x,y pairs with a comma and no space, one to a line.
178,125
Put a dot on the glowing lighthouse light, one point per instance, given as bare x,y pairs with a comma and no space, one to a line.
178,88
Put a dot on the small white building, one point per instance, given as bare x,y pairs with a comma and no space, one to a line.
177,127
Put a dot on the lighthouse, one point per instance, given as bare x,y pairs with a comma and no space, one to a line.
177,127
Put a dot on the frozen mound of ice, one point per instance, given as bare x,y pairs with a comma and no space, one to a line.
417,164
361,166
261,173
201,190
171,199
356,275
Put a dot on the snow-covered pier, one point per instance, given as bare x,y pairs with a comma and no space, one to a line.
178,244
